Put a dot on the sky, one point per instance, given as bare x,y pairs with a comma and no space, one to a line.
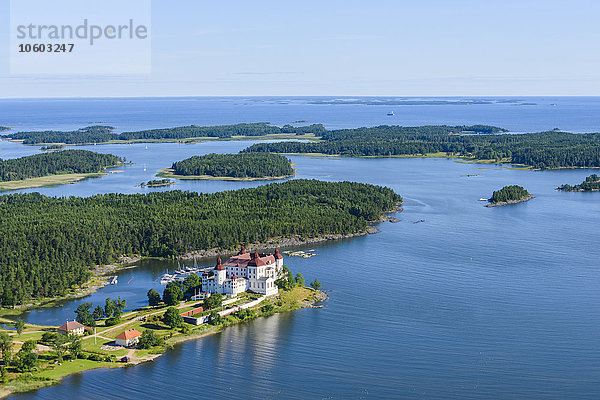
345,48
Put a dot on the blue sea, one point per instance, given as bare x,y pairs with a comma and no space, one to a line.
455,301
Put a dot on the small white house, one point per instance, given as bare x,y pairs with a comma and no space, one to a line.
128,338
73,327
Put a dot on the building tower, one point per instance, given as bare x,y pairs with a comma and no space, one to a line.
220,272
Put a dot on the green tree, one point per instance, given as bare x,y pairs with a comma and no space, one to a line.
6,346
83,315
214,301
113,309
299,280
26,359
58,345
19,326
98,313
316,284
75,346
286,281
268,309
191,283
48,337
245,314
215,318
149,339
153,297
172,294
109,307
172,318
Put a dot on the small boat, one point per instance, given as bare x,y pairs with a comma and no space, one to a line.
390,114
114,280
482,199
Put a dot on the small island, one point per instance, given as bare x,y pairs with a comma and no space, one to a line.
53,147
157,183
54,168
241,166
591,184
509,195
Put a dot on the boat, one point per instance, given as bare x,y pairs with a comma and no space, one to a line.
114,280
482,199
166,278
390,114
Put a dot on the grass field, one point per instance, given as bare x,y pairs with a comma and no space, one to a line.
50,180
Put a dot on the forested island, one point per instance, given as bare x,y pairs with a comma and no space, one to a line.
241,166
591,184
59,166
509,195
157,183
49,244
104,134
53,147
553,149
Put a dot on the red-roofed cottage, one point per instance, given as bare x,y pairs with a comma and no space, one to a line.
72,327
128,338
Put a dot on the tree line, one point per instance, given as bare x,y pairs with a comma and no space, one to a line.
58,162
241,165
553,149
103,134
48,244
87,135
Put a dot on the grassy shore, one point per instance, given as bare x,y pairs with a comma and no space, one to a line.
50,372
168,173
460,159
50,180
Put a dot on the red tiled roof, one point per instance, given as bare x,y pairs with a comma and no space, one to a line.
278,255
243,260
70,326
129,334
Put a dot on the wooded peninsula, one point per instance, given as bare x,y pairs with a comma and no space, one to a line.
104,134
241,165
54,163
48,245
591,184
553,149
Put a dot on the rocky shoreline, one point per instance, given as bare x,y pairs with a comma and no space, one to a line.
277,242
506,203
281,242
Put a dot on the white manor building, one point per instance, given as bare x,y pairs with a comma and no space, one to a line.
245,272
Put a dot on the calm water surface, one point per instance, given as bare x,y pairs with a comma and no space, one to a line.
473,303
